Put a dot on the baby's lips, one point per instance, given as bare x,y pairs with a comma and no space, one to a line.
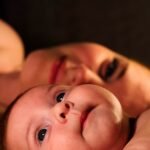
83,119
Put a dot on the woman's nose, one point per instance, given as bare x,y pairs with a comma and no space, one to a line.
83,74
62,109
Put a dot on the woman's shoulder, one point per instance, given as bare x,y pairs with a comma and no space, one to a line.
11,48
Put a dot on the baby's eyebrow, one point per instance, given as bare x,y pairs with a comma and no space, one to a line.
10,107
24,93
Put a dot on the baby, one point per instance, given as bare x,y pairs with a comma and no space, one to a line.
85,117
63,117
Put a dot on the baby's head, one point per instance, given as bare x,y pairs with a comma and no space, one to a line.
63,117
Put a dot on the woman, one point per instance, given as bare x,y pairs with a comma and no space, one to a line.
79,63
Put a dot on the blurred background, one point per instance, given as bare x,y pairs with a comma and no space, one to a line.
123,26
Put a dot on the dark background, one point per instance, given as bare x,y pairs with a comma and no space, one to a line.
123,26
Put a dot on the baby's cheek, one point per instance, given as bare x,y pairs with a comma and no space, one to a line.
68,141
102,129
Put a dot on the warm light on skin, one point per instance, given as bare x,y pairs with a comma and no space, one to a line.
84,63
105,126
11,49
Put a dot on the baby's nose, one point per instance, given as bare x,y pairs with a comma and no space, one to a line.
62,109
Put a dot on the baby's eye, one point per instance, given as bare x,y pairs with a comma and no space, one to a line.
41,135
60,97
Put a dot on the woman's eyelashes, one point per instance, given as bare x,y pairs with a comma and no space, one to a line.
112,70
41,135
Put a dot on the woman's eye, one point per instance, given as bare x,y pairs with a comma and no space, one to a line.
113,70
108,69
60,97
41,135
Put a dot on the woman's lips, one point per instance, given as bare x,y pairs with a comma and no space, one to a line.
56,68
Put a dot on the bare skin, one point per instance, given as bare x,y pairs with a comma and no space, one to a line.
11,49
69,113
73,64
11,55
64,117
79,63
85,63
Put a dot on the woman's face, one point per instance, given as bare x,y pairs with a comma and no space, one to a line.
75,64
64,117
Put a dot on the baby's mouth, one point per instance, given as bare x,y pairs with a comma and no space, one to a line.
84,117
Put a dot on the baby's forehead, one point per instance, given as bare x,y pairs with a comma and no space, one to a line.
31,95
26,100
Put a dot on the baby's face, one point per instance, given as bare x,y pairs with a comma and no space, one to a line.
85,117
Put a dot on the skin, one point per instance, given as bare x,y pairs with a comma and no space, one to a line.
11,58
11,55
82,63
132,88
85,120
